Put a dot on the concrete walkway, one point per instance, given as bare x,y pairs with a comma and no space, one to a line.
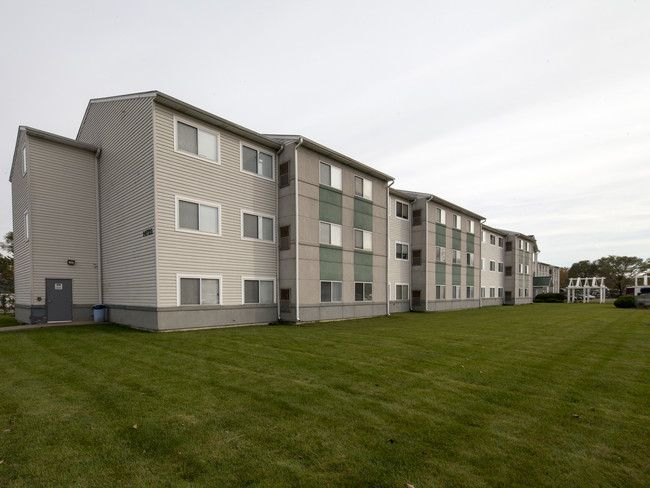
41,326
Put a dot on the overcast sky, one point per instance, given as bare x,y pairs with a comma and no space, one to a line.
534,114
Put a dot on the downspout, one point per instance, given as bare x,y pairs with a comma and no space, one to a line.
295,184
277,219
426,253
388,185
480,273
411,257
100,291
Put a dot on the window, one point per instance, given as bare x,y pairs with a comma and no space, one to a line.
493,239
362,188
470,259
196,141
363,292
509,246
401,292
197,216
500,267
527,271
441,254
500,292
493,266
483,236
500,241
482,263
492,292
521,269
257,162
469,292
26,226
456,221
401,251
455,291
521,244
283,175
285,237
24,160
528,246
199,291
520,292
330,234
440,292
417,217
257,227
331,291
456,257
470,226
441,216
362,239
417,257
525,292
508,270
331,176
402,210
482,292
259,291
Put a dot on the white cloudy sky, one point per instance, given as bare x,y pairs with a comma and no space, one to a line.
535,114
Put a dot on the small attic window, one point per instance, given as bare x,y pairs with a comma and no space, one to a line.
24,160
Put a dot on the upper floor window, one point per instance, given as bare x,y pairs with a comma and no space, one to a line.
483,236
470,259
197,216
362,239
470,226
331,176
500,267
493,266
283,171
330,234
257,227
441,216
197,141
402,210
26,226
500,241
521,244
363,188
457,222
24,160
528,246
257,162
493,239
401,251
455,258
441,254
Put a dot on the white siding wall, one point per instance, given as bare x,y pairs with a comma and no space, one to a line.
22,247
124,131
63,218
399,231
228,255
492,252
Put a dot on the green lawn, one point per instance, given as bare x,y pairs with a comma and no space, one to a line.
551,395
8,320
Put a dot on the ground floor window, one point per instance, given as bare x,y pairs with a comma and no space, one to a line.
500,292
331,291
199,291
440,292
455,291
492,292
470,292
401,292
259,291
363,292
482,292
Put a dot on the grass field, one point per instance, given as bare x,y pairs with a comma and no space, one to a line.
539,395
8,320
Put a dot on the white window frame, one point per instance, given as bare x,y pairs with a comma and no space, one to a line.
493,265
367,187
525,292
455,292
179,198
483,236
482,264
258,279
457,222
354,240
24,159
330,282
470,259
470,226
364,283
259,226
521,268
199,277
441,254
407,291
527,269
331,167
482,292
407,251
340,227
527,246
441,216
440,292
456,257
259,150
493,292
26,220
500,242
500,267
521,244
198,127
469,291
493,239
399,202
500,292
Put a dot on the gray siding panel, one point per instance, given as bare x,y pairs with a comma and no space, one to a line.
399,231
20,204
124,131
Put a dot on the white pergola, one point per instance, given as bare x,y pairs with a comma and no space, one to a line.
586,285
641,281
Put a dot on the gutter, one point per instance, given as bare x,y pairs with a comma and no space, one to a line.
480,273
295,184
277,231
388,185
426,253
100,291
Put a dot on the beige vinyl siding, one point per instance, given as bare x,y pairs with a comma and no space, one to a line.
399,231
20,204
63,218
224,184
492,252
124,130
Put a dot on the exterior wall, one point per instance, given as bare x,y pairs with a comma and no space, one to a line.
22,246
519,280
123,129
492,279
419,236
227,255
399,270
287,217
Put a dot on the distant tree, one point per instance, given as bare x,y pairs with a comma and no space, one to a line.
7,273
583,269
620,271
8,244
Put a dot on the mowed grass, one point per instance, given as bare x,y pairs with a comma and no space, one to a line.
537,395
8,320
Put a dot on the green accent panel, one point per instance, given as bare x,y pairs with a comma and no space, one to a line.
362,214
470,242
331,264
456,239
441,237
455,274
470,277
441,273
363,266
331,205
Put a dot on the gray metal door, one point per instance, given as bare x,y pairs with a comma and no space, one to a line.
58,295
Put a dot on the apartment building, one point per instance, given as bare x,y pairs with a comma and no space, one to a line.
546,279
177,218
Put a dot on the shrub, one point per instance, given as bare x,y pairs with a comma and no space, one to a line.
625,301
550,298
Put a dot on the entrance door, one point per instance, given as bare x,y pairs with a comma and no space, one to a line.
58,295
